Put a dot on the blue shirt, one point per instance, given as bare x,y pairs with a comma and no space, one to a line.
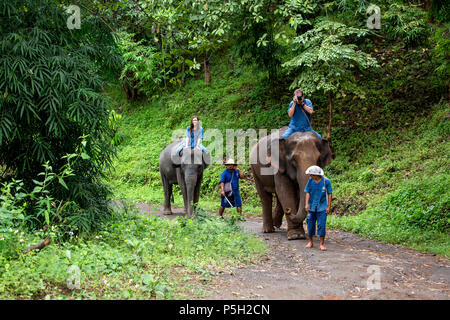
299,122
226,177
318,198
194,136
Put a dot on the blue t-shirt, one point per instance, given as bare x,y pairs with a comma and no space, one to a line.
299,122
318,198
194,136
226,177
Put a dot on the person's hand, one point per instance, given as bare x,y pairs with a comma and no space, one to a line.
222,193
307,207
328,210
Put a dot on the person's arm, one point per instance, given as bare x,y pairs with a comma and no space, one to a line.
307,202
222,184
241,175
187,135
291,110
309,108
200,138
330,197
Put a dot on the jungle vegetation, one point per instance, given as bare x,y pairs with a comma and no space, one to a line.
85,112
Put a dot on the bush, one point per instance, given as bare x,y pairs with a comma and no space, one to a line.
422,204
50,102
132,257
406,23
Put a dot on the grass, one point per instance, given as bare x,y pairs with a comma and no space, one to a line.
399,187
134,257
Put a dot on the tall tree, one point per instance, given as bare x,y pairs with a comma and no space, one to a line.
326,60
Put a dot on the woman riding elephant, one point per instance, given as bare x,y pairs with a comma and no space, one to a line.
193,136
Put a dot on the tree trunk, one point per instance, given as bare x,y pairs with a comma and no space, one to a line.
133,90
183,68
231,64
207,71
330,113
126,89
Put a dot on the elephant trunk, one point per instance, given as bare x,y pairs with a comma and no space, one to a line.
300,215
191,182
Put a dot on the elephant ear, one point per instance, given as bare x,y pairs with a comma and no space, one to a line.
277,154
326,153
206,159
175,158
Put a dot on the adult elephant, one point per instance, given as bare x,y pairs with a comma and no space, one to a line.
278,167
186,171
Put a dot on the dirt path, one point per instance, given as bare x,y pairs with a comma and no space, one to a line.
290,271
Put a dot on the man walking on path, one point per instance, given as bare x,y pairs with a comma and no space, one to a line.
229,188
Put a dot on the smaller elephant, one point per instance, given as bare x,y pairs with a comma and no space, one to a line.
186,171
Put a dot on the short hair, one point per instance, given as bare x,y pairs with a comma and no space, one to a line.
298,90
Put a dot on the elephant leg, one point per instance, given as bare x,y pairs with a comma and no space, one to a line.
277,214
182,185
266,201
197,188
287,193
167,187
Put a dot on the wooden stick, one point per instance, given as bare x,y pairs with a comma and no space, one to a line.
39,246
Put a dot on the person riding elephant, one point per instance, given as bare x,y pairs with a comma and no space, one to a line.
193,137
300,111
278,167
186,171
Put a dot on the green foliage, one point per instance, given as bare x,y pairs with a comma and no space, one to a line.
424,206
440,11
50,104
133,257
17,203
441,51
325,61
141,71
408,23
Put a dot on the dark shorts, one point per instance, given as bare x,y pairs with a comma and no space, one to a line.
316,217
235,200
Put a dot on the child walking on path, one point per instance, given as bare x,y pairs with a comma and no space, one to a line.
229,188
317,204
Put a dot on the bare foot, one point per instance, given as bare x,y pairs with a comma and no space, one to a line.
309,245
322,247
